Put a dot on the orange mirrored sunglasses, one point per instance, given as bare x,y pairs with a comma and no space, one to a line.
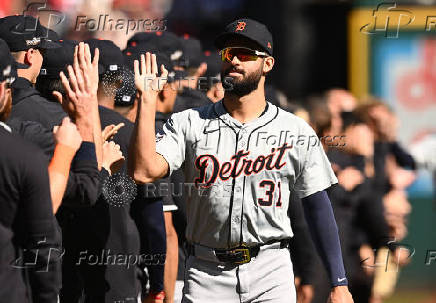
242,53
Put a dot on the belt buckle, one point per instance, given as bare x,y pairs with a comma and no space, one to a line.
245,254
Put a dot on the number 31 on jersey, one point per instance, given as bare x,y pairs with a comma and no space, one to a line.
269,187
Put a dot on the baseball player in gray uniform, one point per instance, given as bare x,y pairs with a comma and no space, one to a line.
242,157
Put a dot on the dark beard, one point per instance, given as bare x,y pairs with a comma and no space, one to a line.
243,87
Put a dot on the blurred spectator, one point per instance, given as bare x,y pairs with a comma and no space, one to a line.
339,100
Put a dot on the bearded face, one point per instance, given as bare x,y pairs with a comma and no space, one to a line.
241,82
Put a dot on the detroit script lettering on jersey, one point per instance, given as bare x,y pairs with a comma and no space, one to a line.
238,164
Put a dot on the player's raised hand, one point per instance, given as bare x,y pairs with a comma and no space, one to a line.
82,60
82,85
147,81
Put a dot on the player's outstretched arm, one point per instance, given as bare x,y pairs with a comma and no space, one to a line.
324,231
145,165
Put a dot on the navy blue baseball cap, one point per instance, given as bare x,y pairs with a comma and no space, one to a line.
56,60
111,58
24,32
166,42
250,29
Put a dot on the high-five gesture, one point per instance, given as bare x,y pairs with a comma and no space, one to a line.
81,88
146,165
147,82
89,69
81,102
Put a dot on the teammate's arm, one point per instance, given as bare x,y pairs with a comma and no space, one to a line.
145,164
68,141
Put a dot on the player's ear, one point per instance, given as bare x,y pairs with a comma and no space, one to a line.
29,56
268,64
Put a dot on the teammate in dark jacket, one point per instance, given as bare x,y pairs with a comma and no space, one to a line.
30,255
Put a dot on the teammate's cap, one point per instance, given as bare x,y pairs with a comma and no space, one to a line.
166,42
57,60
24,32
192,52
142,38
125,95
111,57
49,34
248,28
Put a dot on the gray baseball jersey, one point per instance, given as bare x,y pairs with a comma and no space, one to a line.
240,175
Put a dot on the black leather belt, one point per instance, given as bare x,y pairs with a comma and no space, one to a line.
239,255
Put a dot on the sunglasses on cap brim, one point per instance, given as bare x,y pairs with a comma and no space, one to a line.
242,53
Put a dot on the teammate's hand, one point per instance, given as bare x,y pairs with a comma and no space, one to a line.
113,158
110,131
67,134
340,294
82,85
147,82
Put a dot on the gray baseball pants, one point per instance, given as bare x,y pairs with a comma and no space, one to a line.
268,277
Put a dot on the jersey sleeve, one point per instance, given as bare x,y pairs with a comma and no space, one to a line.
316,173
170,141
